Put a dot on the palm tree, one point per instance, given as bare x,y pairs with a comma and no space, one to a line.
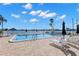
51,21
2,19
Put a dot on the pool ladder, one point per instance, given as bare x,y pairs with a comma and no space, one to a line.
34,36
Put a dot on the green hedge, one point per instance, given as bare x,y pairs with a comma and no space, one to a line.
1,32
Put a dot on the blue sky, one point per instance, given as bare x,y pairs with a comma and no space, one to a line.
37,15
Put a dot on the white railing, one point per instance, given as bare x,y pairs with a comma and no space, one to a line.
13,38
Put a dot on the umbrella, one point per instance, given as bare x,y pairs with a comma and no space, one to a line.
63,32
77,29
63,28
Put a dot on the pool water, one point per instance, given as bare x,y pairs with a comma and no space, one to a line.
32,37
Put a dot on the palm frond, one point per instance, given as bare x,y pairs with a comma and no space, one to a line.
2,19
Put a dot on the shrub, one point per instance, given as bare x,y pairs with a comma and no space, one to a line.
1,32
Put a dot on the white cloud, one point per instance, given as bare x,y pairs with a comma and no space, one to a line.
42,14
28,6
49,15
24,12
15,15
35,12
33,20
6,4
38,11
47,11
62,17
46,14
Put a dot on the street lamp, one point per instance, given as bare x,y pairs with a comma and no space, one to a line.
73,25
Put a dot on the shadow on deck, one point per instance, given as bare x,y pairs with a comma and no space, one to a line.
66,52
74,46
77,43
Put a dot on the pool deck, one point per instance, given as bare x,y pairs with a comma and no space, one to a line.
42,47
28,48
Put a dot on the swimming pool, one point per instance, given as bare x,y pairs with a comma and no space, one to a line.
35,36
32,37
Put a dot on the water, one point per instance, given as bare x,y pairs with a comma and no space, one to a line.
32,37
